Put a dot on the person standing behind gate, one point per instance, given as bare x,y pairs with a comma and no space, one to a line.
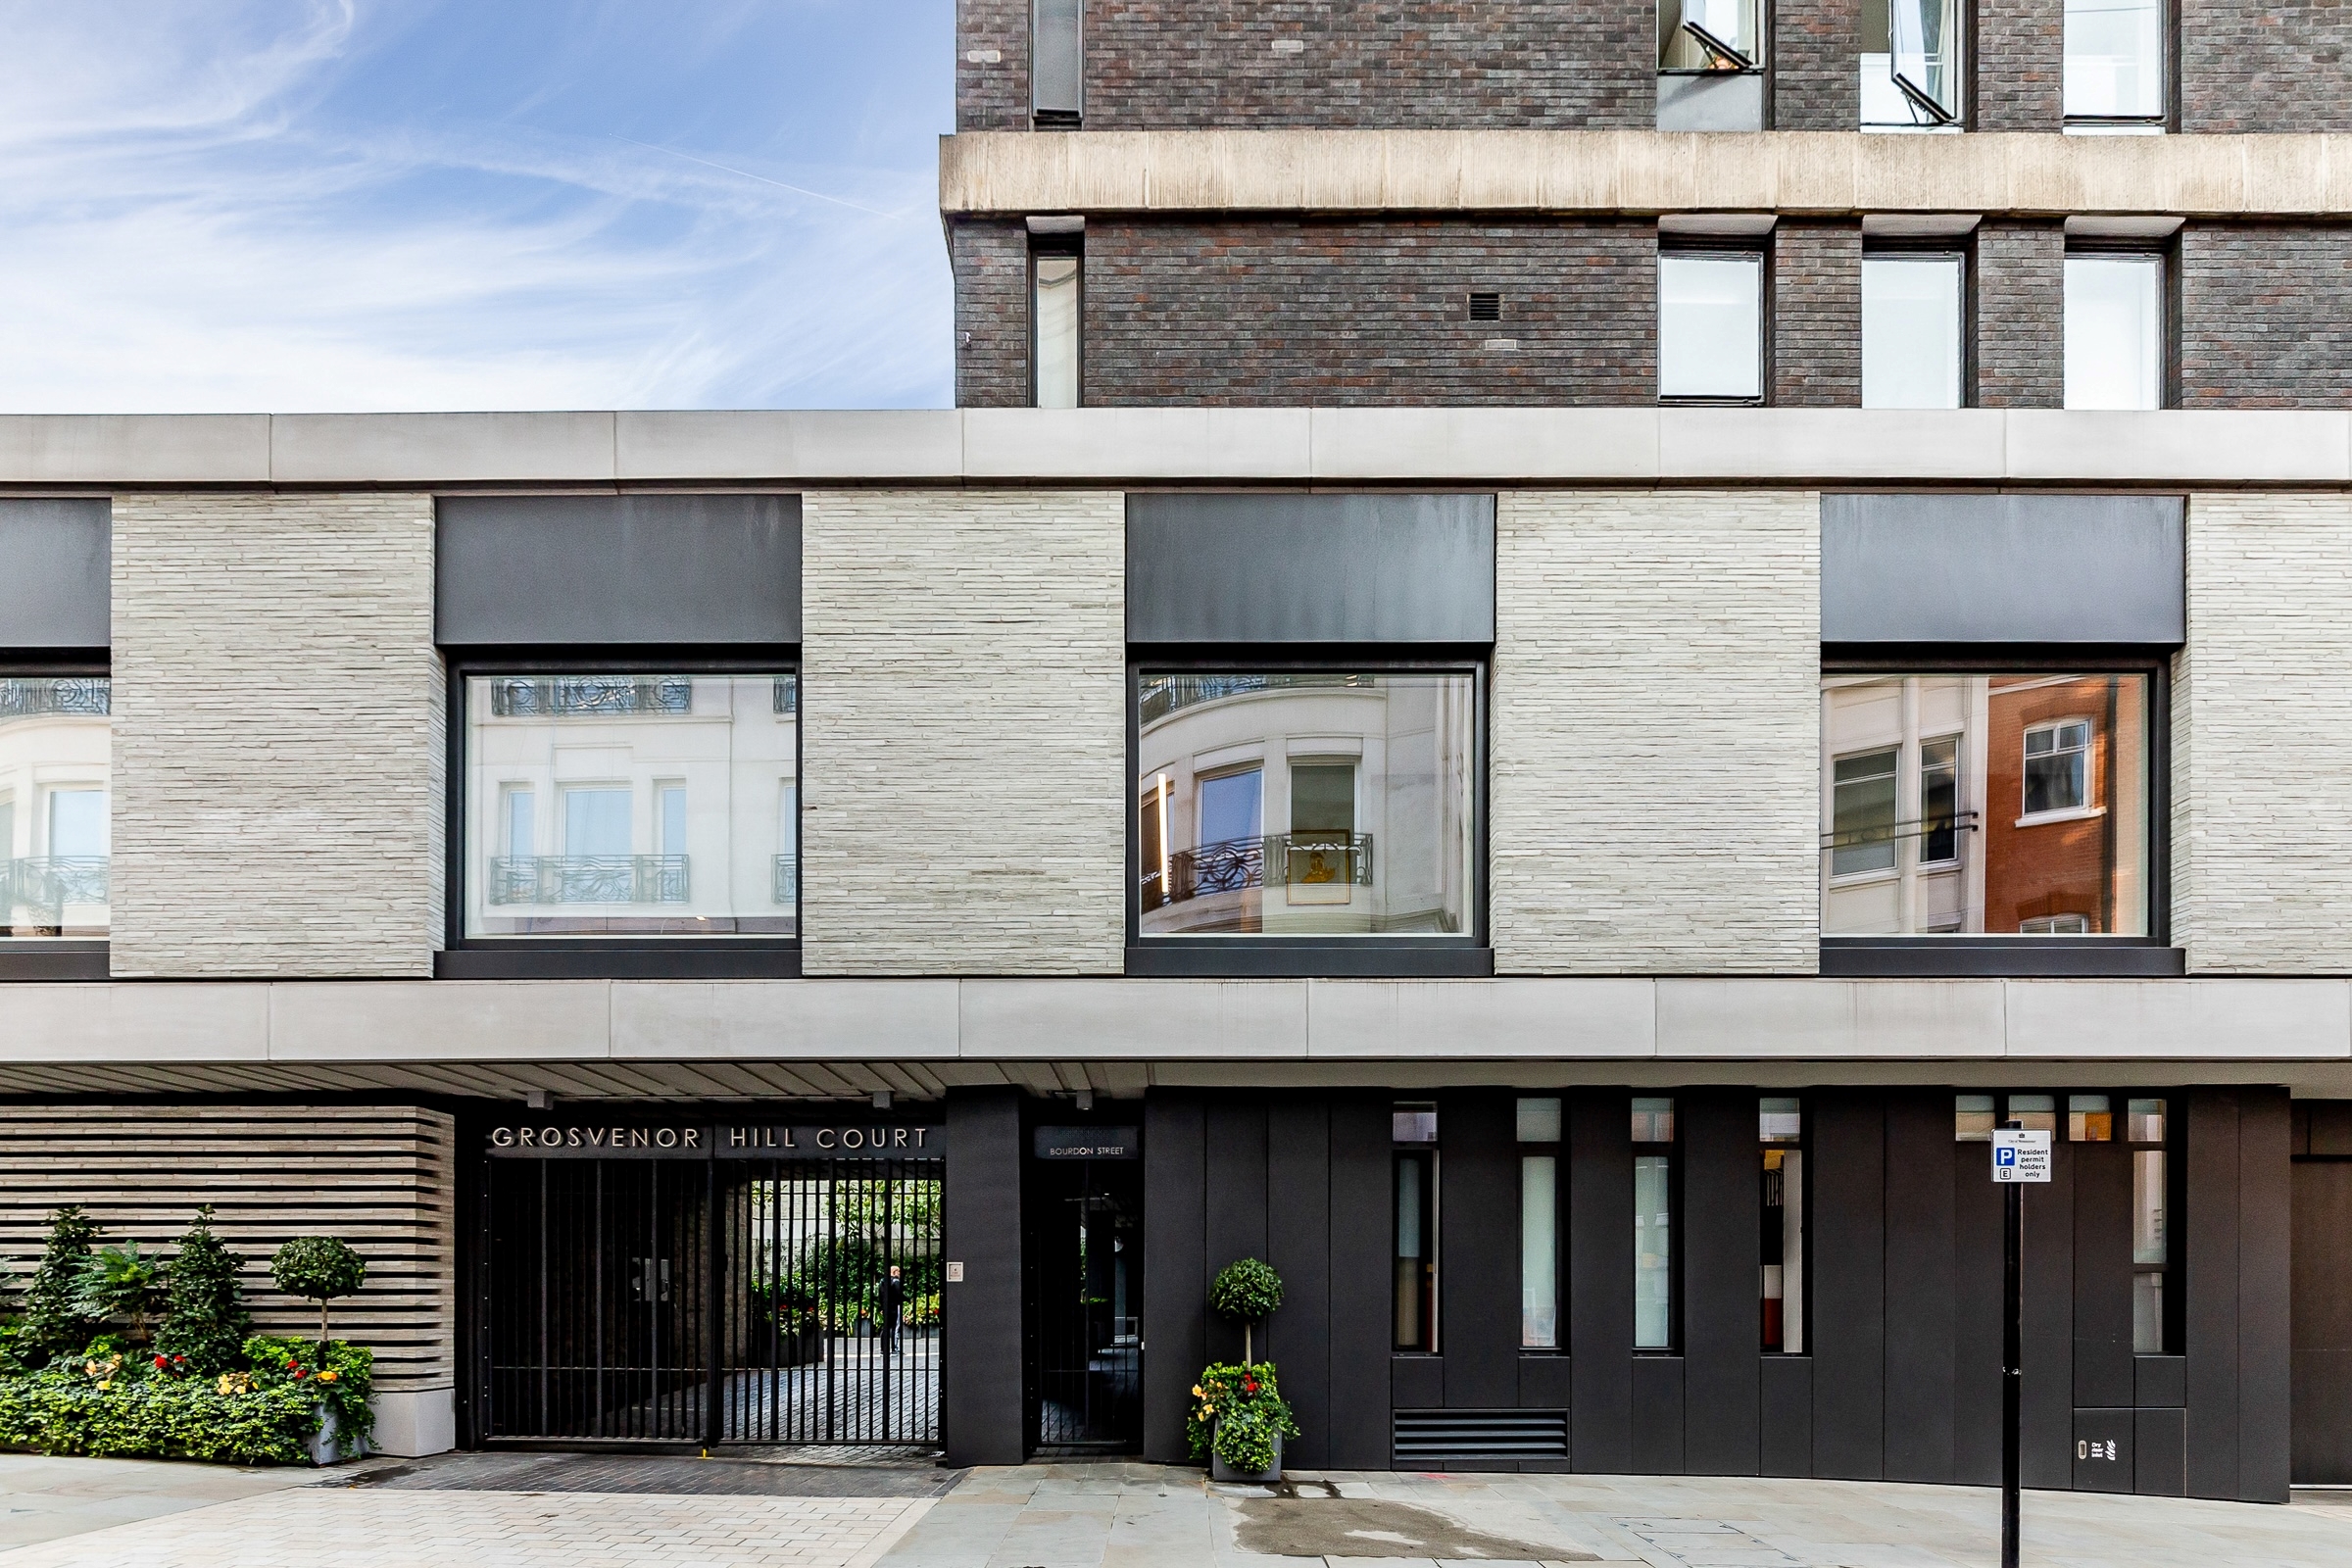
893,1300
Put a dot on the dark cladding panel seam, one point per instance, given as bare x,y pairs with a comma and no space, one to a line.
1310,568
2003,568
624,570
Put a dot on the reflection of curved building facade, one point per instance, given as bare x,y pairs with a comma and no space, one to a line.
54,834
1305,803
622,804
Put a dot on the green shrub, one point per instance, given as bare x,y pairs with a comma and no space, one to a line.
121,1282
54,1320
319,1268
1245,1290
113,1400
207,1321
1237,1410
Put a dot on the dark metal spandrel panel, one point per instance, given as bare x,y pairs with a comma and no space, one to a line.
1310,568
1600,1280
56,559
1922,1255
980,1314
2003,568
1722,1316
1299,1244
1846,1243
1362,1292
1236,1187
1175,1245
1478,1249
617,569
2264,1419
2209,1268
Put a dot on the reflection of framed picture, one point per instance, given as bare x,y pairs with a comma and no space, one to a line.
1320,871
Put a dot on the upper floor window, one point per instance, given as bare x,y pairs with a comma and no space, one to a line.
1057,62
605,805
1056,279
1711,327
1306,803
1911,64
2115,330
1986,805
2115,65
1710,65
56,760
1911,329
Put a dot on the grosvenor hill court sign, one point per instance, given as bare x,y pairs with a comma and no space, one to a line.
892,1140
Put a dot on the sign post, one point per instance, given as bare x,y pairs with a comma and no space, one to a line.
2018,1158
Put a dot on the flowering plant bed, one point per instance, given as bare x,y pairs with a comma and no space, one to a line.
1239,1416
147,1405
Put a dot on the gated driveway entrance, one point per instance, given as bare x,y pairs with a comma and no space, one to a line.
778,1284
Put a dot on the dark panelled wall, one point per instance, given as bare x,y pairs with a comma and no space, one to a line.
1902,1381
981,1404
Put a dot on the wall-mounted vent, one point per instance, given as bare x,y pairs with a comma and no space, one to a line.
1432,1436
1486,307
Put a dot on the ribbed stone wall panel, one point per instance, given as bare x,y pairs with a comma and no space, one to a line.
280,750
382,1177
2262,851
963,732
1656,723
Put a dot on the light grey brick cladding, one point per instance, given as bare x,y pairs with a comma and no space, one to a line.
963,732
280,750
2262,851
1656,721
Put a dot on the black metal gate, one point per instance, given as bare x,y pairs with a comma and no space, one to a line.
712,1301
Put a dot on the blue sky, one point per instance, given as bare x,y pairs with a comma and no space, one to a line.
287,204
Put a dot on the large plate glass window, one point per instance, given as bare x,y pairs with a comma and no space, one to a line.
1306,803
56,847
632,804
1911,64
1985,803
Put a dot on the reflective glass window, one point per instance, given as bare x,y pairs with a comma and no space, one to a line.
1986,805
631,804
1712,325
1539,1252
2114,331
1709,36
1308,803
1911,64
55,834
1781,1129
2114,60
1911,330
1971,1118
1654,1224
1057,330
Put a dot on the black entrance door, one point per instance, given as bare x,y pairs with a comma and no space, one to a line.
1086,1241
712,1301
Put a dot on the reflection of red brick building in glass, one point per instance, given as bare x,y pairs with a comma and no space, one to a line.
2065,805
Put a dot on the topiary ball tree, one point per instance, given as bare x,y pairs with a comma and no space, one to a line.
317,1268
1245,1290
206,1321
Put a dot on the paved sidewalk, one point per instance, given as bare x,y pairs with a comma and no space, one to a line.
42,1498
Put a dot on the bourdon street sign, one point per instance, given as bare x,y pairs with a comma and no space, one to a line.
2020,1157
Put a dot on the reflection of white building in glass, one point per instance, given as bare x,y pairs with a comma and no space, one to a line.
1304,804
620,803
55,746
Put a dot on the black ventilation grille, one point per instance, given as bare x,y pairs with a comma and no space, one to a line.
1432,1436
1486,307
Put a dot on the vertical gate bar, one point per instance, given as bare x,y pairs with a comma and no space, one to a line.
543,1301
713,1355
890,1257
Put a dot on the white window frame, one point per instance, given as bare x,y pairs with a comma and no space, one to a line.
2088,805
2055,925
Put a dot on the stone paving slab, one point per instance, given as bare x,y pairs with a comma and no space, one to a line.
43,1498
343,1527
621,1474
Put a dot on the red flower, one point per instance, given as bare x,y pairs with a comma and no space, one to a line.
161,1364
1249,1385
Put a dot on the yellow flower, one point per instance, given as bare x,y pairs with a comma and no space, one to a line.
326,1377
1197,1393
105,1384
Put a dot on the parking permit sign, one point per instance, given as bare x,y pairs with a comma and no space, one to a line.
2020,1157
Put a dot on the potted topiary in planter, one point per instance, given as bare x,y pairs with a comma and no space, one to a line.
319,1268
1239,1416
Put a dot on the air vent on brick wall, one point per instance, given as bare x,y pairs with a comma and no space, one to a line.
1431,1437
1486,307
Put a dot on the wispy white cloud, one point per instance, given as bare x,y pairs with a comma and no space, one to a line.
197,219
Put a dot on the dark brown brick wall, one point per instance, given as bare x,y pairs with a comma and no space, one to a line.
1816,79
2265,317
992,314
1816,314
2020,65
1161,65
1361,312
2020,315
2265,65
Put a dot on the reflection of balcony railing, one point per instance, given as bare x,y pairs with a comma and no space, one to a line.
788,694
1229,866
52,881
1162,695
786,876
571,696
589,879
1884,832
91,695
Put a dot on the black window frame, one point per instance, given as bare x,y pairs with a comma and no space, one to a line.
1672,1149
1069,245
2166,254
1961,248
1804,1172
1433,1242
1557,1150
1997,955
618,956
1258,957
2167,118
1759,248
46,959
